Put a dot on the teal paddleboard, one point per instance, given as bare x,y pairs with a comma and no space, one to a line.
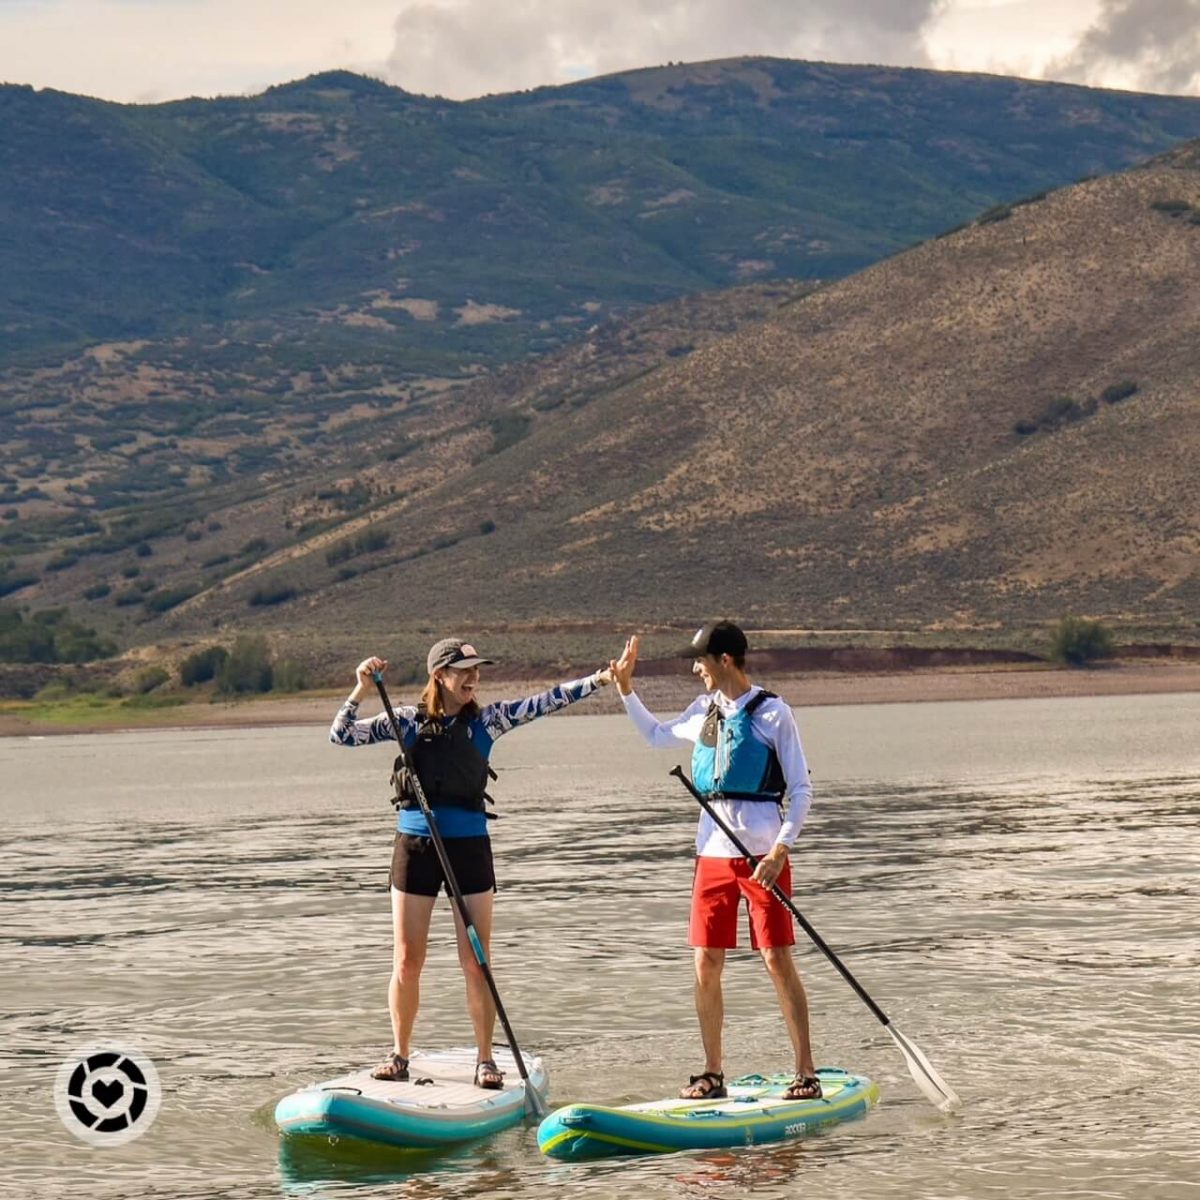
438,1105
754,1111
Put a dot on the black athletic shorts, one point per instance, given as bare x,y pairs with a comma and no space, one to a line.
417,870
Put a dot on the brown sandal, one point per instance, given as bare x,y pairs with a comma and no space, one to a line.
708,1085
488,1075
804,1087
394,1069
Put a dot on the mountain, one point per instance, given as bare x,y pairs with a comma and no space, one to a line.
206,301
982,433
340,220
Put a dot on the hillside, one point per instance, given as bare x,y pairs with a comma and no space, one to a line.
984,432
340,220
205,303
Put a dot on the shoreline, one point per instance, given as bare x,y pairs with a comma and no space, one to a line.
803,689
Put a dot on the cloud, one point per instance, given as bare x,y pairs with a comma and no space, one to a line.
1147,45
463,48
141,49
158,49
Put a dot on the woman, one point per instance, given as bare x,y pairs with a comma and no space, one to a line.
450,737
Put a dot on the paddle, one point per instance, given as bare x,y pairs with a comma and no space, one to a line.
532,1097
936,1089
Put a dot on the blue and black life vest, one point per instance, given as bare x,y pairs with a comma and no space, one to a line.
453,773
730,763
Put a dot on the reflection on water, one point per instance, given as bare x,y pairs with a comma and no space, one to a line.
1014,883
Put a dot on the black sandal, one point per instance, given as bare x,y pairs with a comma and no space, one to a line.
708,1085
393,1070
804,1087
488,1075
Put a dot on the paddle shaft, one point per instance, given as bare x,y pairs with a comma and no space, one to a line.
456,892
786,900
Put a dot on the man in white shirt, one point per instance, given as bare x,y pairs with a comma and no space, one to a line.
748,761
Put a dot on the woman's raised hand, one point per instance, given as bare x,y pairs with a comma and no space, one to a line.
622,668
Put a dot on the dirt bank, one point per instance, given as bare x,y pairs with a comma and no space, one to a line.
997,681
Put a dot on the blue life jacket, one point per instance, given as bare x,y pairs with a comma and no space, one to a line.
730,763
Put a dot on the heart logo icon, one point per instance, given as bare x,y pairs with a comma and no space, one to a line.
108,1093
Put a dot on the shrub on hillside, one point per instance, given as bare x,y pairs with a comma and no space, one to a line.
508,429
399,448
17,581
202,665
168,598
49,637
1173,208
290,676
373,539
367,542
1078,640
149,678
1119,391
356,495
247,669
270,594
1058,412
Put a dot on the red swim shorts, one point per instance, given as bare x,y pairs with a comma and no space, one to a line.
717,889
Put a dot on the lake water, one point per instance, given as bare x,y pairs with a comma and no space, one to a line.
1014,882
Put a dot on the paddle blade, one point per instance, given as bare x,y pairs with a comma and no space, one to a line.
535,1106
937,1091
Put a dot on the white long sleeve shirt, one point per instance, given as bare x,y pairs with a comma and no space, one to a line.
757,824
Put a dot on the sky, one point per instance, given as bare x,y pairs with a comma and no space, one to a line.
151,50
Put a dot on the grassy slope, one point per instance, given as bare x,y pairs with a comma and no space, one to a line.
323,196
850,462
877,481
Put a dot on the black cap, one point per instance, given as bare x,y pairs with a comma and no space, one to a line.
454,652
716,638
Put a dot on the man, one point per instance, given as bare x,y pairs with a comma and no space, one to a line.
748,760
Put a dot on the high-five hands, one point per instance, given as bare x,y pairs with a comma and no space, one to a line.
622,668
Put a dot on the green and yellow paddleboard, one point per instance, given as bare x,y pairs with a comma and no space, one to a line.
754,1111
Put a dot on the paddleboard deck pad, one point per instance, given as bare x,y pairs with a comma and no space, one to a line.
438,1105
754,1111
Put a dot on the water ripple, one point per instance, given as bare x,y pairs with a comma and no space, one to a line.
1031,928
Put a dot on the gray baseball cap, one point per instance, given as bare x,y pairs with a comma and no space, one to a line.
454,652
